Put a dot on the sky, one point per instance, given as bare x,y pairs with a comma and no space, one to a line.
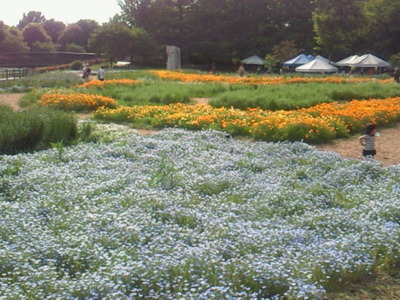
66,11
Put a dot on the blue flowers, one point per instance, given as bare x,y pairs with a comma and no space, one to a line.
192,215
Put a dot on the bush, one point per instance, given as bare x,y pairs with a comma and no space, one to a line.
34,129
76,65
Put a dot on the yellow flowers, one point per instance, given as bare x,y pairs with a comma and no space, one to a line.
254,80
320,123
76,102
101,84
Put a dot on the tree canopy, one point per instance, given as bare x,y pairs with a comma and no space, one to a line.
226,31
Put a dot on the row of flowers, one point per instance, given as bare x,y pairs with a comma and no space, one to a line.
112,82
256,80
77,102
317,124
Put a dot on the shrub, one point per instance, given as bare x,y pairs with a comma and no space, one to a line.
34,129
76,65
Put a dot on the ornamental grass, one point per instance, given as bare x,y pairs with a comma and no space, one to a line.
316,124
76,102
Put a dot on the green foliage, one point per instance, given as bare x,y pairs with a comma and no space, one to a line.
34,129
115,40
11,40
34,32
76,65
338,24
43,47
54,79
71,47
161,92
288,97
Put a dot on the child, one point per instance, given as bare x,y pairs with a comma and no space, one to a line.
368,141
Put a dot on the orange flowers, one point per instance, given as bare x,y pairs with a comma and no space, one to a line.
101,84
255,80
76,102
320,123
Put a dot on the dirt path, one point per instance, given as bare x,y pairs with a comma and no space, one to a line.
387,144
11,100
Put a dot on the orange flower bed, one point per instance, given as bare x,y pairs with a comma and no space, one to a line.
320,123
112,82
76,102
255,80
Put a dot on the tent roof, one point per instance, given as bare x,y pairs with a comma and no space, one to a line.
369,60
322,58
317,65
363,61
298,60
347,61
253,60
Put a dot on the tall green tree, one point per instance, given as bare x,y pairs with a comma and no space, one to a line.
88,27
11,40
111,40
31,17
35,33
383,27
54,29
117,40
222,30
72,34
339,25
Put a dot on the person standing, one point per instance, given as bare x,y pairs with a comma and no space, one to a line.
367,140
241,71
396,75
213,69
86,71
101,74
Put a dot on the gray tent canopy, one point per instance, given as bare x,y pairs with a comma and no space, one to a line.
363,61
317,65
369,61
253,60
348,61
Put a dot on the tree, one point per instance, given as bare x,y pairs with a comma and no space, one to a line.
72,34
53,29
383,26
43,47
34,32
222,30
111,40
2,31
286,50
88,27
12,40
339,25
31,17
117,40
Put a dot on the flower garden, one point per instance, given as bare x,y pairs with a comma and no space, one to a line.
196,214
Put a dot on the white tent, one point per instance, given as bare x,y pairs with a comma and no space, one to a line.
317,66
253,60
369,61
323,58
348,61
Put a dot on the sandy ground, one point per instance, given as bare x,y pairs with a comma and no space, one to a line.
387,144
10,100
